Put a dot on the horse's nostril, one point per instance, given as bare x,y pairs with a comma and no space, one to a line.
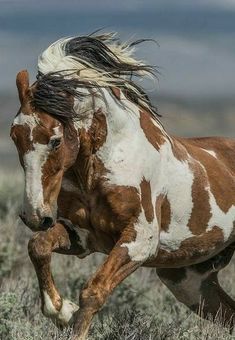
47,222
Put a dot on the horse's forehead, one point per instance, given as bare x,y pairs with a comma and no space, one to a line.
26,119
32,129
33,121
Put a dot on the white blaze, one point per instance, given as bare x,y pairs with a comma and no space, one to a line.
34,161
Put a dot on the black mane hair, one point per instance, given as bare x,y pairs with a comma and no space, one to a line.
52,91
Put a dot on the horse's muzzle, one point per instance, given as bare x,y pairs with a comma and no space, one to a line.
37,224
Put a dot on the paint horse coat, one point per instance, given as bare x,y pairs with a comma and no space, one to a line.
103,175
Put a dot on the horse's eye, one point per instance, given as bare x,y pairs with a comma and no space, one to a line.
55,143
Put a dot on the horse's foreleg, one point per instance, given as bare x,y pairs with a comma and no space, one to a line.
119,264
40,248
198,288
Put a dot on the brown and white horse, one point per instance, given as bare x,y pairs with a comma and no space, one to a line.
102,175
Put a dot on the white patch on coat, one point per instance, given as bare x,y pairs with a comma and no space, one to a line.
85,107
146,241
225,221
211,152
34,161
65,315
127,153
57,132
179,180
29,120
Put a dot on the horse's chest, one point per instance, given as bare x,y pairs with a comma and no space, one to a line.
105,212
114,208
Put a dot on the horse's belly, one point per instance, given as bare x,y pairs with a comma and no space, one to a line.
178,248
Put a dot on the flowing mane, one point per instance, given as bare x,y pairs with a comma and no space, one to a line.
94,61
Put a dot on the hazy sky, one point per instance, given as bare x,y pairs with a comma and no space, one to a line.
196,52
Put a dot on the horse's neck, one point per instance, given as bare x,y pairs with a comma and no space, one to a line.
113,136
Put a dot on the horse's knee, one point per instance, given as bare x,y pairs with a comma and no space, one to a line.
39,247
92,298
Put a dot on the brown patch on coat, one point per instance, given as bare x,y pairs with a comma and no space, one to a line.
39,135
104,211
179,151
224,148
146,200
98,130
116,92
153,134
44,129
114,207
21,137
22,83
190,250
220,176
204,242
201,211
163,212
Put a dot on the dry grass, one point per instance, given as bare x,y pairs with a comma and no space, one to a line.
140,308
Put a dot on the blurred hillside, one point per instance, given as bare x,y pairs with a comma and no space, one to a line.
180,116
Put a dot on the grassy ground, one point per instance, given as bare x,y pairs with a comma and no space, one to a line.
140,308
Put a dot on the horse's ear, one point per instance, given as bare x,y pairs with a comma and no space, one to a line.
22,83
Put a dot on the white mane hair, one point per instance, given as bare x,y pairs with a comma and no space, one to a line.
93,61
55,59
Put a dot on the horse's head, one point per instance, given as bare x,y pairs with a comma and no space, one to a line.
46,148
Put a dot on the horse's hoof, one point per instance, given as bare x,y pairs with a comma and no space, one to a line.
65,317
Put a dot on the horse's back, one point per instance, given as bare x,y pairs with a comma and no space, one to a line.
221,148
